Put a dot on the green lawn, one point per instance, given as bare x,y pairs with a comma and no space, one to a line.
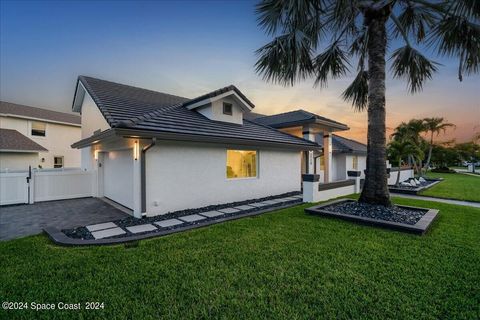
455,186
281,265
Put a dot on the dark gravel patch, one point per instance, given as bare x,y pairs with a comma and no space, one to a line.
378,212
83,233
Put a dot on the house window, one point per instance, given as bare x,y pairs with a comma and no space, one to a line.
58,162
241,164
355,162
39,129
322,163
227,108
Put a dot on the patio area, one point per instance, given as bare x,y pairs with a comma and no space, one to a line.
18,221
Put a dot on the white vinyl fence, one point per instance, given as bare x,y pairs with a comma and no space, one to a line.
45,185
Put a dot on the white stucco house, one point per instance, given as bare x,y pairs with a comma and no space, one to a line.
156,153
37,137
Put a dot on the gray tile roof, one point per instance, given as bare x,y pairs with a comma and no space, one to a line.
344,145
297,117
8,108
219,92
150,111
12,140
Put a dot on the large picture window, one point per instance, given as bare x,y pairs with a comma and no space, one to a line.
241,164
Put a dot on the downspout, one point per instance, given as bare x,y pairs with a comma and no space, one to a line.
143,176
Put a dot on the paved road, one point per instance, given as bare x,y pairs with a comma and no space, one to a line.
23,220
457,202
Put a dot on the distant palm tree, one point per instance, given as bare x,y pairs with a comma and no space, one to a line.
411,131
319,38
434,126
399,149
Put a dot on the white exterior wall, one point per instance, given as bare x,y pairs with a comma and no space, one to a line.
214,111
182,176
344,162
92,120
57,141
17,160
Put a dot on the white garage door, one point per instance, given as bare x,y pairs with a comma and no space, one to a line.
118,177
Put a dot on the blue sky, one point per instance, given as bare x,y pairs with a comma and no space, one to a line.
186,48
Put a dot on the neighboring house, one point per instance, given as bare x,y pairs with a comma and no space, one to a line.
42,138
155,153
337,156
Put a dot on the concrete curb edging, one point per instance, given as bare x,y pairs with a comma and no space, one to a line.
418,228
59,238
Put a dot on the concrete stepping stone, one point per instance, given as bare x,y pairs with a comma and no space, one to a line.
244,207
275,201
270,202
101,226
192,218
212,214
108,233
168,223
229,210
298,196
141,228
259,204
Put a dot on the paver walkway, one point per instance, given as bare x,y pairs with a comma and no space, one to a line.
449,201
23,220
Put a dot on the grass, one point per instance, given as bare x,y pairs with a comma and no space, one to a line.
281,265
455,186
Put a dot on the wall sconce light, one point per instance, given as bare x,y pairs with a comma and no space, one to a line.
95,154
135,150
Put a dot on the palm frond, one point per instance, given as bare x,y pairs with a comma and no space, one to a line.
410,64
457,36
416,21
333,62
357,91
285,59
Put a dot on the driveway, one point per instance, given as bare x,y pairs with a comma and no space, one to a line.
24,220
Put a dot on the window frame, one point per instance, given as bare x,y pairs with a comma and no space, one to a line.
54,163
230,105
35,135
257,166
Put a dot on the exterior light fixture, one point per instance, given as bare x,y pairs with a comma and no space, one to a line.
135,150
95,154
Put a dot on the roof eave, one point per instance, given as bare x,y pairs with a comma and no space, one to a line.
145,134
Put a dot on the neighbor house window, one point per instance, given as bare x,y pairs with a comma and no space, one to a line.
58,162
227,108
241,164
355,162
39,129
322,163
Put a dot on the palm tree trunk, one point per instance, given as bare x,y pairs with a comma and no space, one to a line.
375,189
429,154
399,171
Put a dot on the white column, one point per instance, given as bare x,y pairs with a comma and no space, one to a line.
310,187
309,135
327,155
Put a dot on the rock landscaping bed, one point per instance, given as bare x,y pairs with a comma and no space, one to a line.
403,218
130,226
414,185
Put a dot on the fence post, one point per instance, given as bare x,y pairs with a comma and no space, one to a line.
31,185
310,187
355,175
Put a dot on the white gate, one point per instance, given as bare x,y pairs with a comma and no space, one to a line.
45,185
13,188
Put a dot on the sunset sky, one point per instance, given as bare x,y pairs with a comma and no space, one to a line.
187,49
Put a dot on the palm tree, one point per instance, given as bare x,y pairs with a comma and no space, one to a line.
399,149
434,126
320,39
410,131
